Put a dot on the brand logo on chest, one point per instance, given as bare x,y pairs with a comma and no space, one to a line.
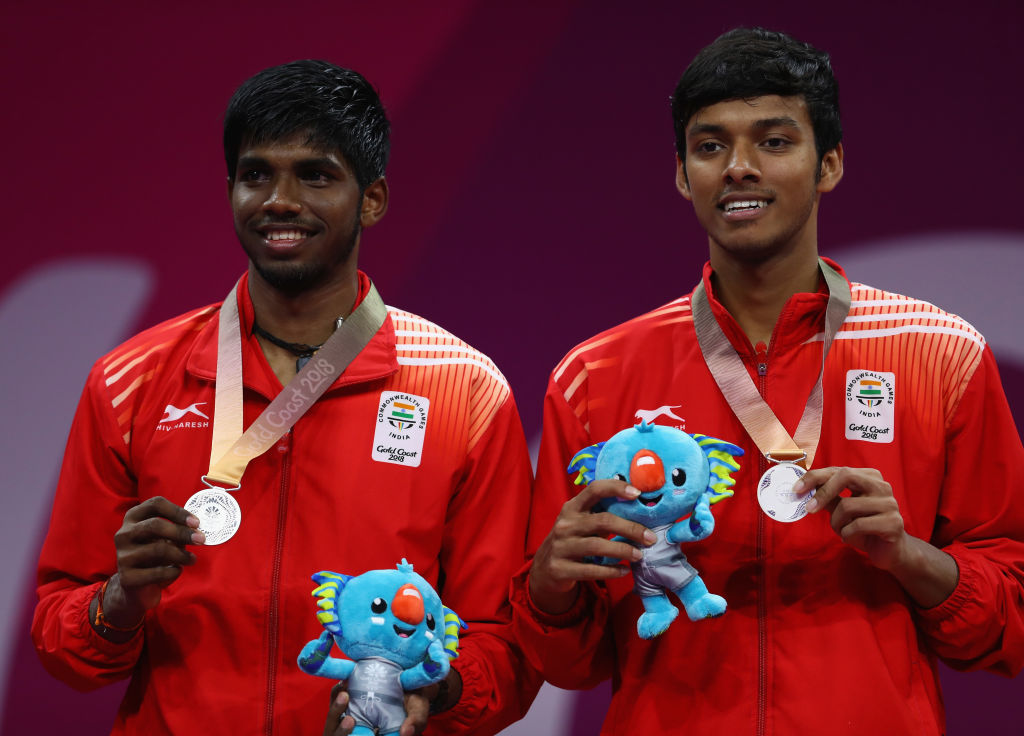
665,413
189,417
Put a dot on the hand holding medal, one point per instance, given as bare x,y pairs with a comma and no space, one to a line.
151,552
867,519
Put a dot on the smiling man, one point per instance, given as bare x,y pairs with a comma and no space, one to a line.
888,409
181,547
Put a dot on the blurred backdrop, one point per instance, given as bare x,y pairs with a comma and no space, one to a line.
531,187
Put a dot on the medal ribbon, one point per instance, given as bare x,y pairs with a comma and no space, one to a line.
232,449
740,391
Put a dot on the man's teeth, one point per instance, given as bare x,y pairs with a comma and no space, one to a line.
285,235
750,204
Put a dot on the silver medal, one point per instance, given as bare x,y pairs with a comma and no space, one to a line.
775,493
218,512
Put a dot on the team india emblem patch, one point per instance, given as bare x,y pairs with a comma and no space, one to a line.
401,425
870,406
402,415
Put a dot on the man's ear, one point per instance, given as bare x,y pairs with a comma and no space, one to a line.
375,202
831,171
682,184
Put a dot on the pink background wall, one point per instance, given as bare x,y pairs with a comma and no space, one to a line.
532,204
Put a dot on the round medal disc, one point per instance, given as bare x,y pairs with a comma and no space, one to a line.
218,512
775,493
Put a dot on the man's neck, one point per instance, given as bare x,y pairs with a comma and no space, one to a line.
306,318
754,293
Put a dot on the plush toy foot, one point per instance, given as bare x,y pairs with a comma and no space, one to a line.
698,602
658,615
651,624
707,606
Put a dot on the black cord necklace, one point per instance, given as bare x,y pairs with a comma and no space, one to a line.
302,351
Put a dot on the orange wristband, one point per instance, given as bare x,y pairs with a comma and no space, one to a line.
101,621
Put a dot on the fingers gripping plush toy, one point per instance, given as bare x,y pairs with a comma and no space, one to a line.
397,637
678,475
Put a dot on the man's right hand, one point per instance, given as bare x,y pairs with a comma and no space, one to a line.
559,563
151,551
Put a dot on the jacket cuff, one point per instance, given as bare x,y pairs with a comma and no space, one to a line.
467,711
966,591
104,648
519,595
469,707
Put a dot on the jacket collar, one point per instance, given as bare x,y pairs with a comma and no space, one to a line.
801,319
377,360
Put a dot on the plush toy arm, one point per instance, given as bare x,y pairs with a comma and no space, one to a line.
433,668
313,659
699,526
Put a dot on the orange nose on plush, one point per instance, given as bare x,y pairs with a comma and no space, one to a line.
407,604
646,473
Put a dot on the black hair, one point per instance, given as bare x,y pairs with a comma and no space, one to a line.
335,107
751,62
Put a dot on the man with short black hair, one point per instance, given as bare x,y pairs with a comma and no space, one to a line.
912,547
180,548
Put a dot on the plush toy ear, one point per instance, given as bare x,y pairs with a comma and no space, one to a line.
452,624
330,585
720,456
585,462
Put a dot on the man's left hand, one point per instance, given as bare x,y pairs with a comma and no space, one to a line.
417,702
869,520
417,711
339,724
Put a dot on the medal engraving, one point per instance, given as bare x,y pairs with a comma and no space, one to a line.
775,493
218,512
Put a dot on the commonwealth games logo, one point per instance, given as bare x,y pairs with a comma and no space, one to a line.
401,416
870,406
400,429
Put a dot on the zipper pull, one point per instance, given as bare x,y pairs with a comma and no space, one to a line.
762,358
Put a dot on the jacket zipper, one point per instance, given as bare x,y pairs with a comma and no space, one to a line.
273,614
761,358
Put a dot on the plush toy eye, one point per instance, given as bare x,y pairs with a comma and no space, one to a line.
379,605
430,621
619,476
678,476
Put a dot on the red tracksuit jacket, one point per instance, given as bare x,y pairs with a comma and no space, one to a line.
219,653
815,639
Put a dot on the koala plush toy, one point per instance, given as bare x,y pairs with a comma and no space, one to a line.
679,476
395,633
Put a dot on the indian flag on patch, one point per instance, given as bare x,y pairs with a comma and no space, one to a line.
402,416
869,392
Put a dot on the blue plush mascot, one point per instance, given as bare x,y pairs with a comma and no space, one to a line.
396,634
678,475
